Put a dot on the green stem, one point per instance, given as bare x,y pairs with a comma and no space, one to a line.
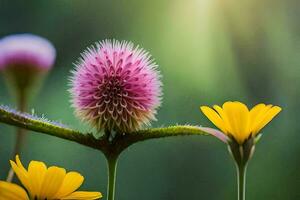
20,133
241,181
112,167
22,106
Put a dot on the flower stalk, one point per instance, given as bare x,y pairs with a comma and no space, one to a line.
241,154
112,163
22,106
20,132
241,181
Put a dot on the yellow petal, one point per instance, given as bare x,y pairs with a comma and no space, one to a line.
238,118
72,182
213,117
21,173
256,110
36,173
83,195
267,118
257,114
10,191
19,163
224,118
52,182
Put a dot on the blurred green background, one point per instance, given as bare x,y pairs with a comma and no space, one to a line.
209,51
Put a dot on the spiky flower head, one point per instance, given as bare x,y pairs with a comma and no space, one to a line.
26,50
116,86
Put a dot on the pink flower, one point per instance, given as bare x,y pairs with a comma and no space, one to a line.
26,50
116,86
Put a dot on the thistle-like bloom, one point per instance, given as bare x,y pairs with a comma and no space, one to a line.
24,59
116,86
42,183
26,50
239,123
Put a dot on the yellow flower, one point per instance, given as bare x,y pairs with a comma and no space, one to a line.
235,120
43,183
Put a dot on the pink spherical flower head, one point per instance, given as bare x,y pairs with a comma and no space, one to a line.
116,86
26,50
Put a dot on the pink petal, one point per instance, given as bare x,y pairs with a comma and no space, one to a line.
218,134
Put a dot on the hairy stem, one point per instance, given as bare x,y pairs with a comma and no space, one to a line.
42,125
